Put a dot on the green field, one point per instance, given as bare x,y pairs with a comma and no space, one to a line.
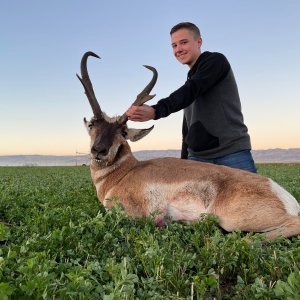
57,242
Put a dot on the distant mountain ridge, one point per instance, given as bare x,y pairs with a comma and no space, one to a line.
268,156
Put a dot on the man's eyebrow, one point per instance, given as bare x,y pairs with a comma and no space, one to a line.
183,40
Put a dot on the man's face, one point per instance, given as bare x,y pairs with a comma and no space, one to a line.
186,47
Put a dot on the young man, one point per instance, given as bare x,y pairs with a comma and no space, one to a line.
213,127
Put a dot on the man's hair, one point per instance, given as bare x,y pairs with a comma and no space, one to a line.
187,25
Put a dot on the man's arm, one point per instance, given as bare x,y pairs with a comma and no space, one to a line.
162,109
210,71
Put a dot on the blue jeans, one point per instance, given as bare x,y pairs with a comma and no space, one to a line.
240,160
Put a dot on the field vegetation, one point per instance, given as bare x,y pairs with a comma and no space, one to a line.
58,242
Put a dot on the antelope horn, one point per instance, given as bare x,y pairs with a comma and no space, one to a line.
143,96
87,84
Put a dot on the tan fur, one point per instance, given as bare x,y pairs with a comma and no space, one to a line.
183,190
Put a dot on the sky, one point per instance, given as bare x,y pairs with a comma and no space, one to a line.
42,103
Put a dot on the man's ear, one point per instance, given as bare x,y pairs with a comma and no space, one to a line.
199,41
136,134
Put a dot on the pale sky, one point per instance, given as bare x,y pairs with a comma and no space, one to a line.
42,42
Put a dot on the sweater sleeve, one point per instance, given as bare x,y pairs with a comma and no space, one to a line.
210,70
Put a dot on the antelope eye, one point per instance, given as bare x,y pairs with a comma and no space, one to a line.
90,126
124,133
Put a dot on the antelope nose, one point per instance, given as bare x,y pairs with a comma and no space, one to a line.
99,149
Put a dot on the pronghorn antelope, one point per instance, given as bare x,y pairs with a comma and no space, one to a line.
180,189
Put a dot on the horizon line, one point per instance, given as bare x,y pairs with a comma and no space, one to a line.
146,150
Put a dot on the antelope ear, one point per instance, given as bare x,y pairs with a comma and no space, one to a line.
136,134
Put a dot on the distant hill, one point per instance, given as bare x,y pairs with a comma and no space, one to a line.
270,155
43,160
260,156
277,155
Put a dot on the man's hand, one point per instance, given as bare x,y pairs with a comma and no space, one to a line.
140,113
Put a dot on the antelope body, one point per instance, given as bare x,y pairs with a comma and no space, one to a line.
178,189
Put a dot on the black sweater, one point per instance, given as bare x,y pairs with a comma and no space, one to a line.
213,123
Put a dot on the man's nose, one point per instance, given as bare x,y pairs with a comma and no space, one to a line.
178,49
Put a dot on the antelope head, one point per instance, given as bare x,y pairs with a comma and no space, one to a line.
109,135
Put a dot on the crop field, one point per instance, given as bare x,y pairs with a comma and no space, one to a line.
58,242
